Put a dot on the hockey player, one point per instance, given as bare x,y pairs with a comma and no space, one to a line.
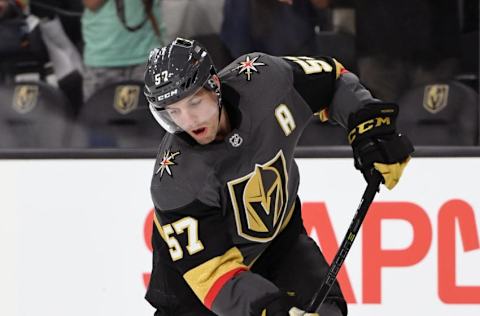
229,238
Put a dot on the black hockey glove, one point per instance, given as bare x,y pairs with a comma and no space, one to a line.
376,143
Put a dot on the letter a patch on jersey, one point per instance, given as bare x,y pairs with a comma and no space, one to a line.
259,200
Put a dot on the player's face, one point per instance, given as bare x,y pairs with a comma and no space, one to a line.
197,115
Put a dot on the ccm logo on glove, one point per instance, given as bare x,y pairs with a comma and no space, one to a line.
366,126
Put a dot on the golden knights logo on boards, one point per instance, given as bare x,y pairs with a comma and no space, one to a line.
435,97
126,98
259,200
25,98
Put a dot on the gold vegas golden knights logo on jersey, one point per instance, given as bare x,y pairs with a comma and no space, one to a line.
259,200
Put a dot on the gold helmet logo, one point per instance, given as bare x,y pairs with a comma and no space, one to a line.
259,200
126,98
435,97
25,98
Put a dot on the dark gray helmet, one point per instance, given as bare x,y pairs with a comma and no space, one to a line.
174,72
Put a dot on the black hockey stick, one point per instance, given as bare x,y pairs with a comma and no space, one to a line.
367,198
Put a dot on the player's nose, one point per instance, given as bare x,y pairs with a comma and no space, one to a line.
188,120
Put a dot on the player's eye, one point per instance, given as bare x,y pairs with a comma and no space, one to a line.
195,102
173,112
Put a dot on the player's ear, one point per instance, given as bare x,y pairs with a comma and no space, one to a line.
216,79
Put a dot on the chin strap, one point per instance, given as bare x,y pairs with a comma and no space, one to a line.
212,86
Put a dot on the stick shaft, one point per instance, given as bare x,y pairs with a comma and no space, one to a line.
347,242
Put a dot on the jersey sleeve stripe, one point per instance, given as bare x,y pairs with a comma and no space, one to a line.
217,286
211,275
340,69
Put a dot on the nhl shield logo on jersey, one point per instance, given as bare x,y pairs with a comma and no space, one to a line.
235,140
166,163
248,67
259,200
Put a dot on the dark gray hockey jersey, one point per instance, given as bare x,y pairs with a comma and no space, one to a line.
219,206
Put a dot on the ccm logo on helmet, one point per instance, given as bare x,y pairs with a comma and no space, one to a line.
167,95
366,126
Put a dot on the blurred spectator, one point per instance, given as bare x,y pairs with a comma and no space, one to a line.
7,10
200,20
21,47
38,49
401,44
261,25
118,34
191,18
65,58
69,12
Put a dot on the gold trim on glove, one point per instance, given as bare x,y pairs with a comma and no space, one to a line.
391,172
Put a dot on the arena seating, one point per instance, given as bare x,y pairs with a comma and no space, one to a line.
116,116
33,115
443,114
